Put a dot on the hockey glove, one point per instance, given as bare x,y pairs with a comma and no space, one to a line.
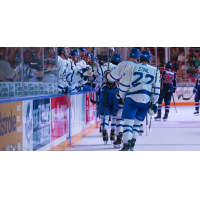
194,90
119,100
153,109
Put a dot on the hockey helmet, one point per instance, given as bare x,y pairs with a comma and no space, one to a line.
116,58
145,55
82,49
168,64
134,53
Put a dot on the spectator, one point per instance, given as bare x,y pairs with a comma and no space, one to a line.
191,62
175,65
196,60
181,57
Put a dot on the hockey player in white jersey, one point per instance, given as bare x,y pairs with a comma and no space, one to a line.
115,76
137,88
82,52
106,103
63,68
76,78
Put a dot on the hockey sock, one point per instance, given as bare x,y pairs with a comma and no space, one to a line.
167,109
105,122
101,123
113,123
197,106
159,108
119,122
127,130
136,128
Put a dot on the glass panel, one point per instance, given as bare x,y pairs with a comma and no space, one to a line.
32,71
161,57
177,56
10,76
50,70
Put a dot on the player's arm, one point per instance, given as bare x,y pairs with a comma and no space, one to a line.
155,92
115,74
125,82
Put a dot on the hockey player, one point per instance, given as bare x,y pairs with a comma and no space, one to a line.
63,54
107,99
82,52
76,78
168,87
136,87
197,95
115,76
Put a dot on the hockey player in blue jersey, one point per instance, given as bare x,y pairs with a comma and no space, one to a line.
107,100
196,91
167,88
137,89
115,76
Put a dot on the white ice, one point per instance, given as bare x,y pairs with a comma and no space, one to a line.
181,132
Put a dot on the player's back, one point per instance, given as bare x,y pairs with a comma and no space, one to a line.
143,77
168,80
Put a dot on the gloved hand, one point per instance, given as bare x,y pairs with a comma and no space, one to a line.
194,90
153,109
119,100
174,89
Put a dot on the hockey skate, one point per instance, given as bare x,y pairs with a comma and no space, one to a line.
141,131
132,144
118,141
126,146
105,136
165,117
196,113
112,136
158,117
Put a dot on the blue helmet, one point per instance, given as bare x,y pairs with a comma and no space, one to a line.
116,58
82,49
77,50
134,53
146,55
88,54
74,53
95,58
61,49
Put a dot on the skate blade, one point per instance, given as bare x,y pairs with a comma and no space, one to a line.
140,134
105,142
164,120
111,141
117,146
196,114
157,120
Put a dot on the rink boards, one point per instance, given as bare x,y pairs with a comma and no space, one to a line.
183,92
46,122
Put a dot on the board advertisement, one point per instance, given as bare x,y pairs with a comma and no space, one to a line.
59,117
11,126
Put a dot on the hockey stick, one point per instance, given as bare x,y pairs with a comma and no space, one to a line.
153,94
91,100
147,125
174,102
188,98
106,87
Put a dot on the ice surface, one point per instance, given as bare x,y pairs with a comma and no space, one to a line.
180,133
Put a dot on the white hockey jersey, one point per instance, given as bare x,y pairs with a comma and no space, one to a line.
118,72
139,82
